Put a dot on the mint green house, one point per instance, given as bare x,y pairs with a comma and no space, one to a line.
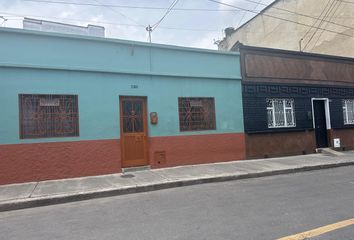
75,106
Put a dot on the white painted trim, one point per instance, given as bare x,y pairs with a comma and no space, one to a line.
327,112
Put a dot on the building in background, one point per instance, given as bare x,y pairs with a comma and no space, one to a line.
48,26
296,102
315,26
75,106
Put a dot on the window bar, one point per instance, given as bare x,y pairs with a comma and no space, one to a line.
273,111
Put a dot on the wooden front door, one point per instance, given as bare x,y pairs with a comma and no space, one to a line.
133,128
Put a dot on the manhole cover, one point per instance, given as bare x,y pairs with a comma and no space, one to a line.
127,176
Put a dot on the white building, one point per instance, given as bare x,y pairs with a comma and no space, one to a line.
48,26
317,26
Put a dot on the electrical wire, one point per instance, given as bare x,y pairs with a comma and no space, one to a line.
131,7
279,18
343,1
4,20
314,24
301,14
319,37
173,4
105,22
308,30
331,7
244,14
119,13
189,9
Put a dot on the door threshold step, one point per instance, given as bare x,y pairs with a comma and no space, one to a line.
329,151
135,169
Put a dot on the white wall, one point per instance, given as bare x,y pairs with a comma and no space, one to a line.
47,26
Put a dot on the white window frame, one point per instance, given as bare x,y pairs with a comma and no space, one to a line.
292,108
345,102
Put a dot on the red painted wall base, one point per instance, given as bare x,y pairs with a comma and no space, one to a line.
44,161
197,149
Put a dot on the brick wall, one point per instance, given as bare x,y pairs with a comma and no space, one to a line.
44,161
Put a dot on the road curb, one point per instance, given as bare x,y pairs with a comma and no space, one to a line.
60,199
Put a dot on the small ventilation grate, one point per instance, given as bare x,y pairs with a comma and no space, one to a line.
160,157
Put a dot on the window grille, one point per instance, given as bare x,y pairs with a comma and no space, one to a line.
44,116
280,113
133,116
196,114
348,111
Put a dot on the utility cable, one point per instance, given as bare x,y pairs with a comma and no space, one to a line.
244,14
115,11
301,14
150,28
314,24
154,26
343,1
4,20
319,37
279,18
334,2
189,9
105,22
308,30
131,7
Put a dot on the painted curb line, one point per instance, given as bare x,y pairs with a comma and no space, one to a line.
80,196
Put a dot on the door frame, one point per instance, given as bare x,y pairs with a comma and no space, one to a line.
146,130
327,116
327,112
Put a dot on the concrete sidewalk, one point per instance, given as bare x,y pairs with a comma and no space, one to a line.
18,196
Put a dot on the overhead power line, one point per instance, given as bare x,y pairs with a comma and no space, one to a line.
4,20
104,22
173,4
192,9
329,10
308,31
333,14
346,1
279,18
132,7
150,28
314,24
302,14
119,13
244,14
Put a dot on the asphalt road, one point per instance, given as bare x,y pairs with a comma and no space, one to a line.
262,208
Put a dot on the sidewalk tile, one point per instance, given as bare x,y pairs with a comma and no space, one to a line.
16,191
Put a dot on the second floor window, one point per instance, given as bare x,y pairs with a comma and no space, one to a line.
280,113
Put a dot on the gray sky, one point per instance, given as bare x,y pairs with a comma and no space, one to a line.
180,27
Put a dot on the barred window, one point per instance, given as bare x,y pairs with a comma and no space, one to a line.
196,114
348,111
280,113
43,116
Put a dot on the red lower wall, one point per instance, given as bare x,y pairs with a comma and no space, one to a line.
44,161
263,145
197,149
346,137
